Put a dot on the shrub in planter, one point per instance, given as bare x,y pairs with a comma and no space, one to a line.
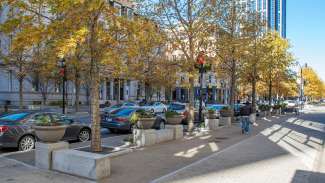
226,112
48,131
212,114
277,106
143,119
264,107
173,118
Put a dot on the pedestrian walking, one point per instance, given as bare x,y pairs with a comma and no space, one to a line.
245,113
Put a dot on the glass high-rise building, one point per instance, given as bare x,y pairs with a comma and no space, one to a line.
273,11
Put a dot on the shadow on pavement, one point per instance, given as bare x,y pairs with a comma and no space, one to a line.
313,177
277,152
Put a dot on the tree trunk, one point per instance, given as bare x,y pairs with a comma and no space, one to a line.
254,88
94,89
21,99
191,107
232,83
270,91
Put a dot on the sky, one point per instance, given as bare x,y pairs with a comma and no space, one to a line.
306,32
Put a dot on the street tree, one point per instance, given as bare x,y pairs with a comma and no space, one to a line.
185,23
277,61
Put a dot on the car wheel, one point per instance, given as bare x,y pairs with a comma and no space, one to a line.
162,125
84,135
112,130
26,143
152,110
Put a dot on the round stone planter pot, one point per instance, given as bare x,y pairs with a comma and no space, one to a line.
226,113
50,134
212,116
146,123
175,120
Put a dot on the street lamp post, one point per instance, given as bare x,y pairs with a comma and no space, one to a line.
63,73
301,84
200,61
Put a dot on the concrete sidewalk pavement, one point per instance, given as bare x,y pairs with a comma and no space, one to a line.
286,153
145,164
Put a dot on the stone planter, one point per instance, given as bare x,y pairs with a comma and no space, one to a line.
50,134
226,121
175,120
226,113
212,116
145,123
268,113
211,124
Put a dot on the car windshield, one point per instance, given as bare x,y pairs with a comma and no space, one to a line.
117,106
129,104
123,112
176,107
14,117
217,107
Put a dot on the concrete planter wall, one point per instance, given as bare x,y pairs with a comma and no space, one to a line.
226,121
211,124
43,153
149,137
175,120
84,164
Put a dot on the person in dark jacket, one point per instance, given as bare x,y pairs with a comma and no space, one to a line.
245,112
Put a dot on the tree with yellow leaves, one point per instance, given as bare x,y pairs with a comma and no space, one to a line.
64,25
313,85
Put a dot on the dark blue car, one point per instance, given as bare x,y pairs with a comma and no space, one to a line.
119,120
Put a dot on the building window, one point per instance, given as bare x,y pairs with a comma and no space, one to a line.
130,13
118,8
108,90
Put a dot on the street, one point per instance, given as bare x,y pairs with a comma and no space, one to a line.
104,132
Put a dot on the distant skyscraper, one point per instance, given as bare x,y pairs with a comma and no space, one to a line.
273,11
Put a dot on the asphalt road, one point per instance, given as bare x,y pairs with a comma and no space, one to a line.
81,118
105,133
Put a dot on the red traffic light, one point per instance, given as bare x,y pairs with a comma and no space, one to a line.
61,72
200,58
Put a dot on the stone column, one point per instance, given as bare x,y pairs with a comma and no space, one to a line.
112,89
104,98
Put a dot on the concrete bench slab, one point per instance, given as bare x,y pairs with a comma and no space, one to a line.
84,164
43,153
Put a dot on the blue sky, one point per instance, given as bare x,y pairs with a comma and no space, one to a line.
306,32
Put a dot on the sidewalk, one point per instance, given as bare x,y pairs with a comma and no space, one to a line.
149,163
285,153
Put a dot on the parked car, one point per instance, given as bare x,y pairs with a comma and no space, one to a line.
119,120
216,108
118,106
291,103
180,108
155,107
16,128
